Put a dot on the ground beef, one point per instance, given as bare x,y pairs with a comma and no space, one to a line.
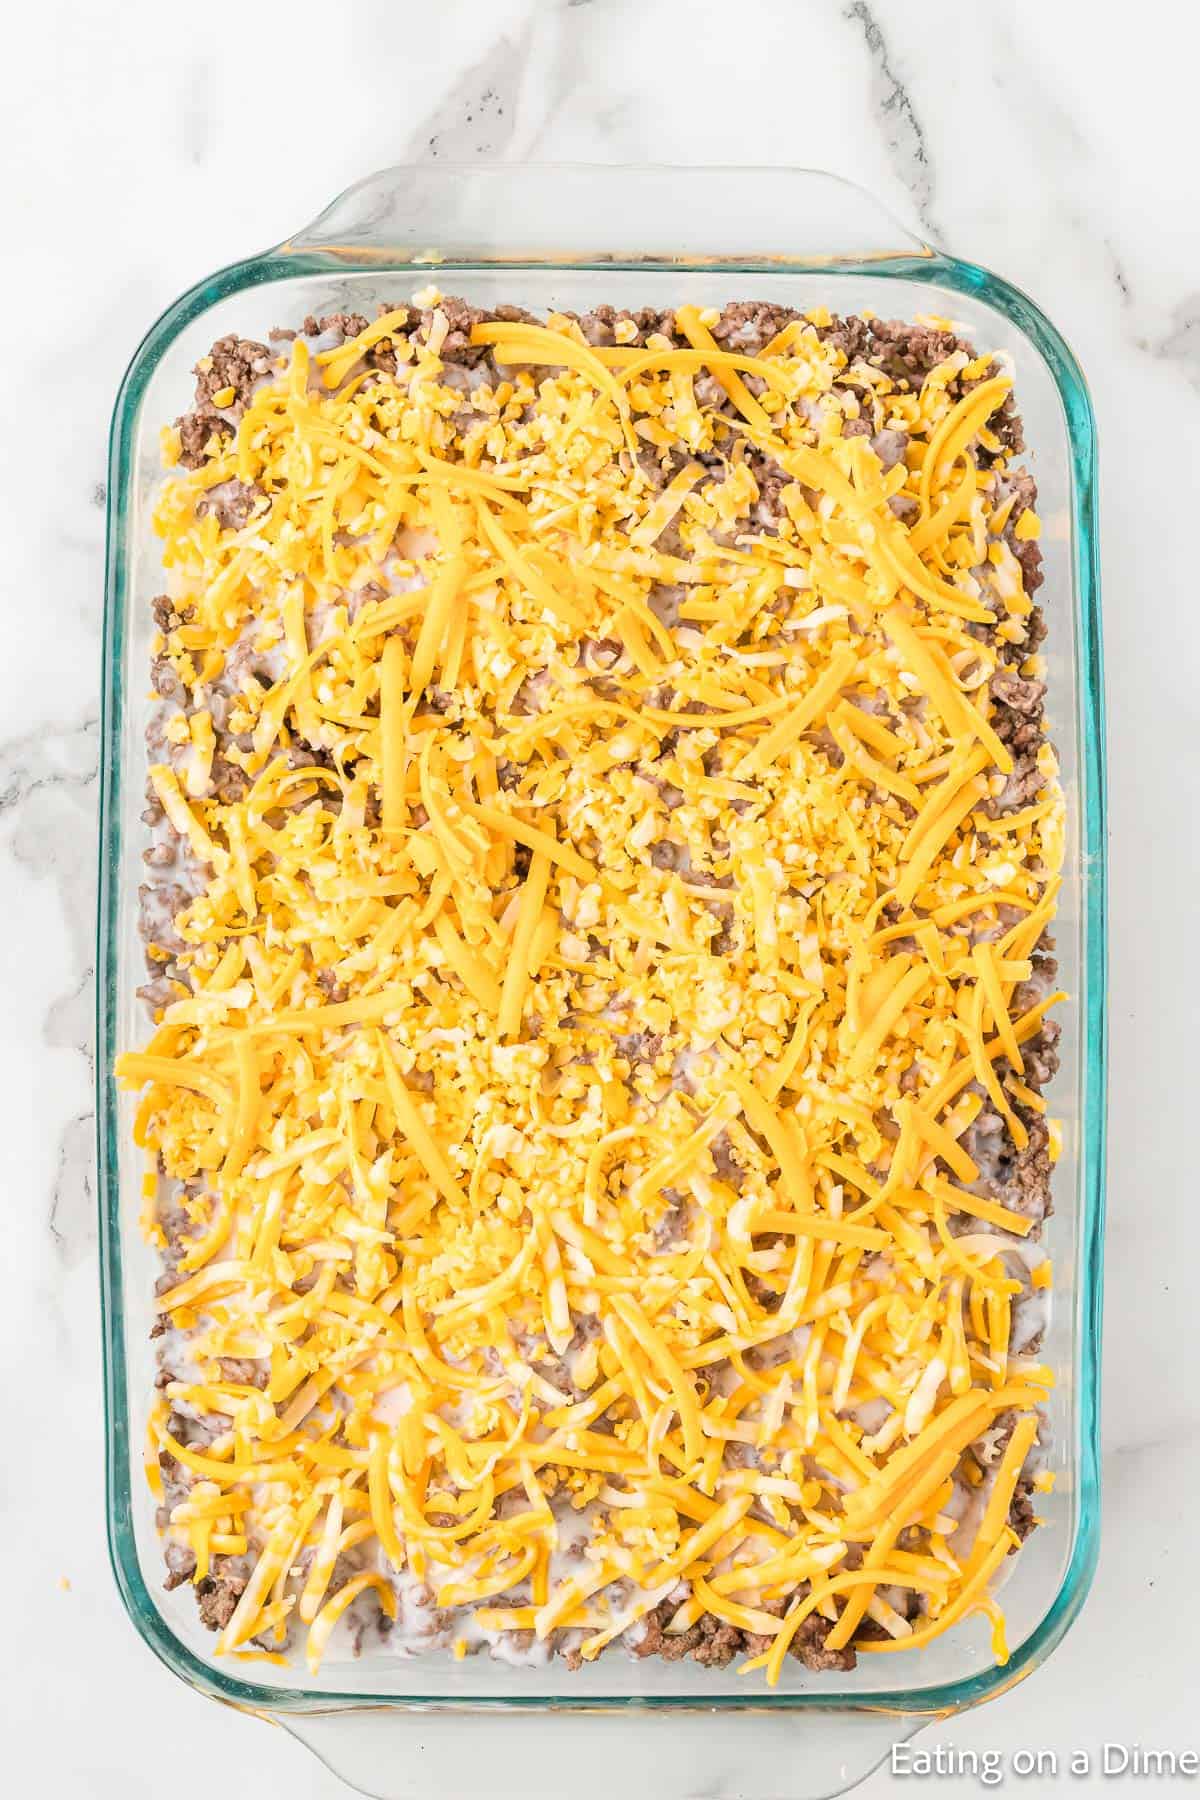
233,362
639,1046
747,326
889,446
181,1565
1005,425
237,363
1026,550
305,756
512,315
1018,720
664,602
671,1230
722,941
1040,983
216,1599
231,501
158,907
1018,1179
597,325
1041,1055
341,325
770,480
157,993
228,782
245,1371
1029,555
600,653
714,1644
809,1646
668,855
1022,786
904,351
456,345
1017,694
196,430
851,336
710,394
335,991
164,680
1020,1511
709,1641
532,693
726,1164
164,613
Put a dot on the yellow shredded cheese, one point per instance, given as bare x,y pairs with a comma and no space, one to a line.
564,1070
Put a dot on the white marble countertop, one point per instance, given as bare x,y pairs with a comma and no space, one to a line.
1025,137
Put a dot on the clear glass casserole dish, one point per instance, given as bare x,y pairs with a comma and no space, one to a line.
575,237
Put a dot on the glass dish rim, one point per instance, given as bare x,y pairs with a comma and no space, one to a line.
923,264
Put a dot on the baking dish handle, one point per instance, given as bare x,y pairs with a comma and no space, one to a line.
593,215
743,1755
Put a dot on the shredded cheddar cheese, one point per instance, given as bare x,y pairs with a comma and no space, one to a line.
577,1046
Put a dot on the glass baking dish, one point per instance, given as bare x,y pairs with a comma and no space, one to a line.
574,237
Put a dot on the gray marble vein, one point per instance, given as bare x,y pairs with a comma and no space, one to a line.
47,784
47,787
897,118
41,759
1118,271
69,1019
72,1201
478,116
1179,345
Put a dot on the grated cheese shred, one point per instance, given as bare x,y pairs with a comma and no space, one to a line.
573,1073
